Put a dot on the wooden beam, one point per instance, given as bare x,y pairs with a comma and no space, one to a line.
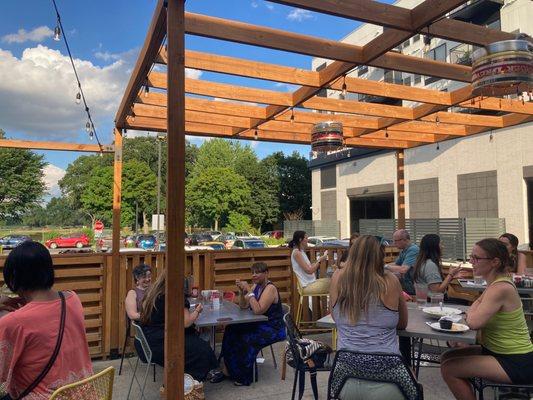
60,146
242,67
465,32
315,117
358,107
403,135
115,257
175,258
465,119
429,127
147,56
379,143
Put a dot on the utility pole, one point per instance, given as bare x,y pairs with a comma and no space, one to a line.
136,216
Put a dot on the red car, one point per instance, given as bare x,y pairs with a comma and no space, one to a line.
76,240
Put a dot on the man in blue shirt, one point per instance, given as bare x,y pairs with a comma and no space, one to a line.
406,259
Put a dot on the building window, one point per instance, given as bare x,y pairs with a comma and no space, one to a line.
362,69
417,79
405,44
438,53
407,81
321,66
328,177
416,38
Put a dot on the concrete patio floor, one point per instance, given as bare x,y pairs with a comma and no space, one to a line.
270,386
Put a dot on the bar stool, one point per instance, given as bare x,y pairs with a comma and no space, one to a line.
299,310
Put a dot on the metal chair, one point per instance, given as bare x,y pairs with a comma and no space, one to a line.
480,385
379,367
299,310
127,336
147,353
300,367
96,387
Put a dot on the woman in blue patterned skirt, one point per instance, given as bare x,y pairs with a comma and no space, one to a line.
242,342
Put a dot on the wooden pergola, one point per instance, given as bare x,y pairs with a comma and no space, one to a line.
168,101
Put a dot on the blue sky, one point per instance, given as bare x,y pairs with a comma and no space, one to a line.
37,101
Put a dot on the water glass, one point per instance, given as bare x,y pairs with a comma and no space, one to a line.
421,291
436,298
478,280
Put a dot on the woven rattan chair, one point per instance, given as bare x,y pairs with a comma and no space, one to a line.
96,387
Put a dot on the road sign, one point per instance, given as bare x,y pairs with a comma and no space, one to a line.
98,226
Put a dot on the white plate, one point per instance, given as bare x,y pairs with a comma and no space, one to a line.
456,327
437,312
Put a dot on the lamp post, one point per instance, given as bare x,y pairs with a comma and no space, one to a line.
136,216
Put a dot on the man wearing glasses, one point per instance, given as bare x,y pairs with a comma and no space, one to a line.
406,259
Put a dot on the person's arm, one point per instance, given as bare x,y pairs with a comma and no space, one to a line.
11,335
485,307
402,311
435,282
131,306
267,298
307,267
398,269
333,288
521,264
191,317
393,299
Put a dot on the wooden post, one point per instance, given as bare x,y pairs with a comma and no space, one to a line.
400,180
175,260
115,264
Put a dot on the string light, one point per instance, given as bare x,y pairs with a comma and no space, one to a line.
427,42
491,136
255,134
59,29
437,120
292,115
146,91
78,98
344,91
386,133
438,146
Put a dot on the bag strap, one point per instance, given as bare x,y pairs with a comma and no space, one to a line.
52,360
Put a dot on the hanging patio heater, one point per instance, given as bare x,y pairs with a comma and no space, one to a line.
503,68
327,136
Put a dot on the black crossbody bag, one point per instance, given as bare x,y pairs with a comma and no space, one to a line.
52,360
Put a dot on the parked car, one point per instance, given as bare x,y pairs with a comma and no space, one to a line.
214,245
319,240
249,244
273,234
228,239
129,241
245,235
336,243
12,241
146,242
196,238
77,240
214,234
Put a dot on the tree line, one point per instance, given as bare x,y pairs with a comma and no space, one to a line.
227,186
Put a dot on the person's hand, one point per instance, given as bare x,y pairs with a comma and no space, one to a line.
244,286
457,272
324,256
199,308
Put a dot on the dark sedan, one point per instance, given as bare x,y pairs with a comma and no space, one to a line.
12,241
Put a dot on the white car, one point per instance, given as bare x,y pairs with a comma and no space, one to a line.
319,240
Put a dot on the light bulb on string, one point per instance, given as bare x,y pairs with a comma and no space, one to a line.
437,120
91,134
255,134
438,146
386,133
427,43
57,32
292,115
146,91
491,136
344,90
78,98
88,127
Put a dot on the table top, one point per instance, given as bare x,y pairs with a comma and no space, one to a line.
228,314
417,327
469,285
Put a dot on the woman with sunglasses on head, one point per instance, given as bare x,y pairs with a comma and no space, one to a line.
505,353
142,277
518,260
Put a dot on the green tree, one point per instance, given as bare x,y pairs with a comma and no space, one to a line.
21,185
294,179
214,192
58,212
238,222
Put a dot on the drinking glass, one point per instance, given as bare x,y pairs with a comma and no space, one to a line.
478,280
421,291
436,298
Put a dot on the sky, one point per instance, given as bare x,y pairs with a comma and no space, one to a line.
37,83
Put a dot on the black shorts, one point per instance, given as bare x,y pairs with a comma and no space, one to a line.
519,367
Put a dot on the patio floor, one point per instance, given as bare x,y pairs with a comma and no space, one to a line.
269,386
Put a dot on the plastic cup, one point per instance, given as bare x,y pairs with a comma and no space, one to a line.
421,291
436,298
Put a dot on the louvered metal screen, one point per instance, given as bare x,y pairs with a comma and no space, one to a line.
312,228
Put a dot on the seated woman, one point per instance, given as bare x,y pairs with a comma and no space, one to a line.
199,357
368,308
242,342
142,277
342,260
505,353
427,269
518,260
29,334
302,267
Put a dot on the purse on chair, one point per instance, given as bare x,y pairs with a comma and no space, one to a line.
50,363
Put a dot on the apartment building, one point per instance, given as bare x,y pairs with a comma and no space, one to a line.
486,175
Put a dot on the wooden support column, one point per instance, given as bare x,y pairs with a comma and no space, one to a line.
115,264
400,184
175,260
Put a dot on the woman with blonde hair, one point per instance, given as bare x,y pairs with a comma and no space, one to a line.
368,308
199,357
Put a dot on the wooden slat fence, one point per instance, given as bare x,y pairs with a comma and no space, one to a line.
91,277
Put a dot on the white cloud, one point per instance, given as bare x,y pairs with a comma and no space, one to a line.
299,15
35,35
254,4
38,98
52,174
107,56
269,6
193,73
286,86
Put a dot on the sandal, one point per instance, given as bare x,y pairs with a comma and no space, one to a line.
236,383
217,377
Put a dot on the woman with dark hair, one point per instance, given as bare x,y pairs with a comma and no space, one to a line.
302,267
427,269
368,308
29,335
517,260
505,353
142,277
242,342
199,357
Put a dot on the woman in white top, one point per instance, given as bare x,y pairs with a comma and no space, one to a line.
302,267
